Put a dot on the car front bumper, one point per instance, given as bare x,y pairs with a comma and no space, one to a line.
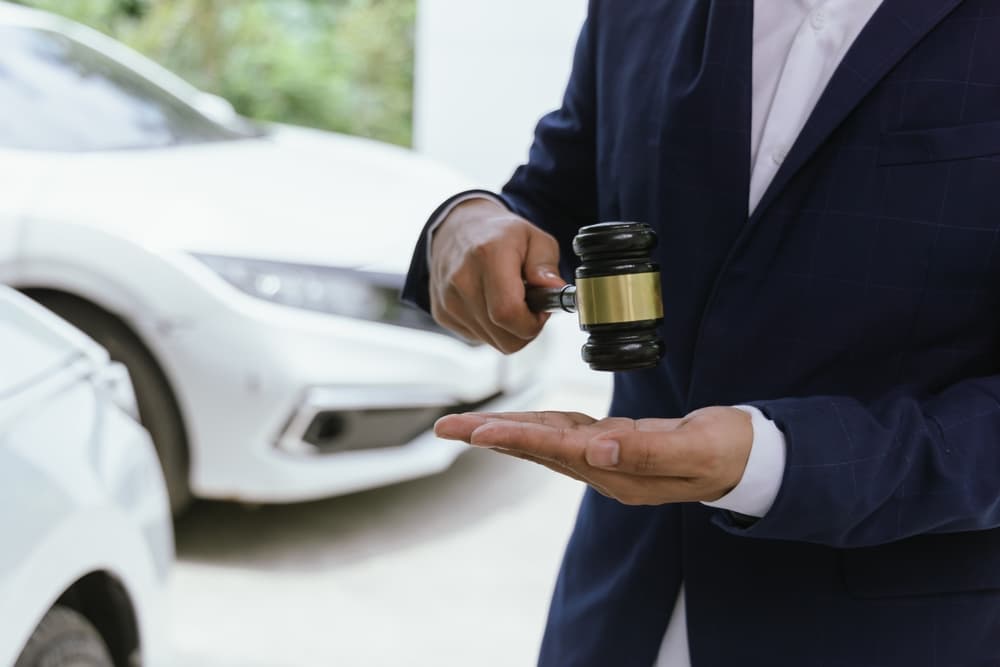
256,383
275,475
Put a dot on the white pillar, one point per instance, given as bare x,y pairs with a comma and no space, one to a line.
486,71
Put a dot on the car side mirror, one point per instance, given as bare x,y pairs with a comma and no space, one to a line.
216,108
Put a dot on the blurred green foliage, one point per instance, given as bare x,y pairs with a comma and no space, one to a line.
343,65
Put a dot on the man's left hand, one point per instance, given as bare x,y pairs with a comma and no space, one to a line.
638,462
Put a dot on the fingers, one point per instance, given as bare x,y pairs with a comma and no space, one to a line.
541,261
496,335
649,447
562,445
554,419
461,426
458,427
503,290
655,452
487,309
466,315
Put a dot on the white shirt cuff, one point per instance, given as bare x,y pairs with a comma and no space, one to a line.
447,211
757,490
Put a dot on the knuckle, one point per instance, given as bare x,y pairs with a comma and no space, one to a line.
535,230
452,302
519,225
548,240
645,458
505,312
615,423
461,282
482,252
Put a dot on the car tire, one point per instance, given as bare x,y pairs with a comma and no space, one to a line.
64,638
158,410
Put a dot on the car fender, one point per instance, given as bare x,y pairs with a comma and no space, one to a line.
81,544
85,494
154,290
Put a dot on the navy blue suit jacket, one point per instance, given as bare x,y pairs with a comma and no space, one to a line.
859,308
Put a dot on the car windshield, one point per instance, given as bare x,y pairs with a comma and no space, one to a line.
60,95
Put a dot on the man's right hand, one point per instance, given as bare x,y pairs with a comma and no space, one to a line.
481,257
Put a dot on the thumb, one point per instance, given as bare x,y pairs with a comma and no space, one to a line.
541,260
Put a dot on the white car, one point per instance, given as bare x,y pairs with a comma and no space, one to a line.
85,524
246,275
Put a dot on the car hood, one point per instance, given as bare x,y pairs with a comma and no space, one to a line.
295,195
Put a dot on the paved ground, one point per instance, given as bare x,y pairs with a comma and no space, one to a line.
452,570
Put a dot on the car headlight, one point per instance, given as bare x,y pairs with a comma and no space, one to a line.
345,292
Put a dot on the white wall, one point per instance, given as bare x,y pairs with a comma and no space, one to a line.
486,71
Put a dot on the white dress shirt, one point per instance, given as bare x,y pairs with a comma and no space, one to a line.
797,47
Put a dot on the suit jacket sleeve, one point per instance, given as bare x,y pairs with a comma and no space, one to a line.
556,188
861,474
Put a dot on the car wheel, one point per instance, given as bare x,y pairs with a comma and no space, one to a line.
65,638
158,408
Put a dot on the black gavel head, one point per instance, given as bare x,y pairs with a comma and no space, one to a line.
618,296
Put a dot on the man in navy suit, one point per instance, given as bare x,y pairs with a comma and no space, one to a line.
812,474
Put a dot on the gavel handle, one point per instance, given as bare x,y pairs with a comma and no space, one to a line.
551,299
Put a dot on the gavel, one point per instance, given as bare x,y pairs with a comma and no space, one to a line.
617,296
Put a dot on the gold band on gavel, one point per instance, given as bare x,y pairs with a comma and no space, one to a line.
630,297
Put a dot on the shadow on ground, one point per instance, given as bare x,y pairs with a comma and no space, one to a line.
329,533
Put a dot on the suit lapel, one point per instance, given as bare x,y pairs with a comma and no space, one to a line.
894,30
